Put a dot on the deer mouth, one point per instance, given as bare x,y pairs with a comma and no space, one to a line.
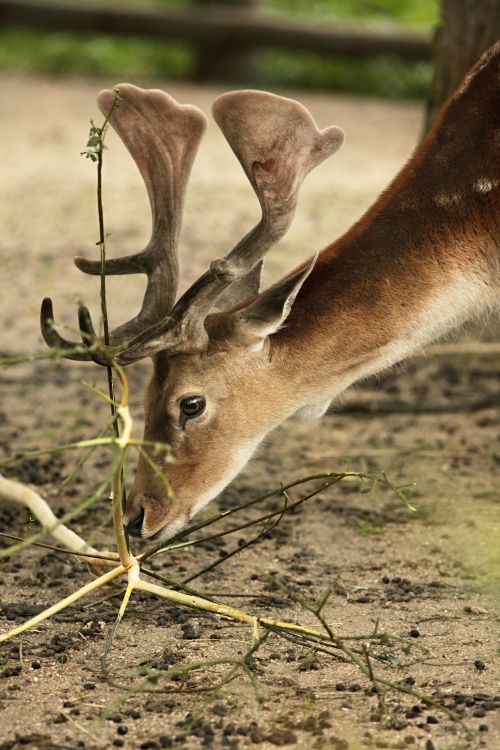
169,530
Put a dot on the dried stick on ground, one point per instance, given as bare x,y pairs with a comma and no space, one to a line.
20,493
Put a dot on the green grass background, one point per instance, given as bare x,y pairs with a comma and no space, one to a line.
138,59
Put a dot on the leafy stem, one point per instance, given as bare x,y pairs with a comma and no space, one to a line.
94,152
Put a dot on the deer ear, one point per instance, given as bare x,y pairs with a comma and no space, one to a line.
266,314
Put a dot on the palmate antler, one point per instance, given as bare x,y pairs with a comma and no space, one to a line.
162,137
277,144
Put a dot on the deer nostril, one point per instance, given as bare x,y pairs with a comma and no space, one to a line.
134,526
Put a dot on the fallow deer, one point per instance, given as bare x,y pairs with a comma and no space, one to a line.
232,363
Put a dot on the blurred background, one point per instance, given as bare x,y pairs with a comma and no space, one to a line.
384,48
378,68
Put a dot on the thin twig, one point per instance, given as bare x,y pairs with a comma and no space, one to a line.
111,557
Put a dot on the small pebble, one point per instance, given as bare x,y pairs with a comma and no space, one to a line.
481,697
219,709
282,737
133,713
412,714
255,734
11,672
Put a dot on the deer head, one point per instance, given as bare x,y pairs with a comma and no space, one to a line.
231,362
211,396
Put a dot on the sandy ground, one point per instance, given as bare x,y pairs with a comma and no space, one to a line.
428,578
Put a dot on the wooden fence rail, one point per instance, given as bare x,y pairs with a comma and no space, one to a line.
237,27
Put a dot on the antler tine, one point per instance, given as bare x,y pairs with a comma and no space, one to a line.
56,341
52,337
277,143
162,137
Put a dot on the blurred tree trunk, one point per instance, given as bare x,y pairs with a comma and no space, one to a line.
467,29
223,59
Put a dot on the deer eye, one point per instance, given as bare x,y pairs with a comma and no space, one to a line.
192,406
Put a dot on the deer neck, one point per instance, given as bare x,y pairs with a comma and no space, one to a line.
419,264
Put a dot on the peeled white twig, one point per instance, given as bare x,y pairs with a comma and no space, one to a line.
20,493
33,621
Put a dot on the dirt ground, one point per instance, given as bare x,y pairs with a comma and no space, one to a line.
429,578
